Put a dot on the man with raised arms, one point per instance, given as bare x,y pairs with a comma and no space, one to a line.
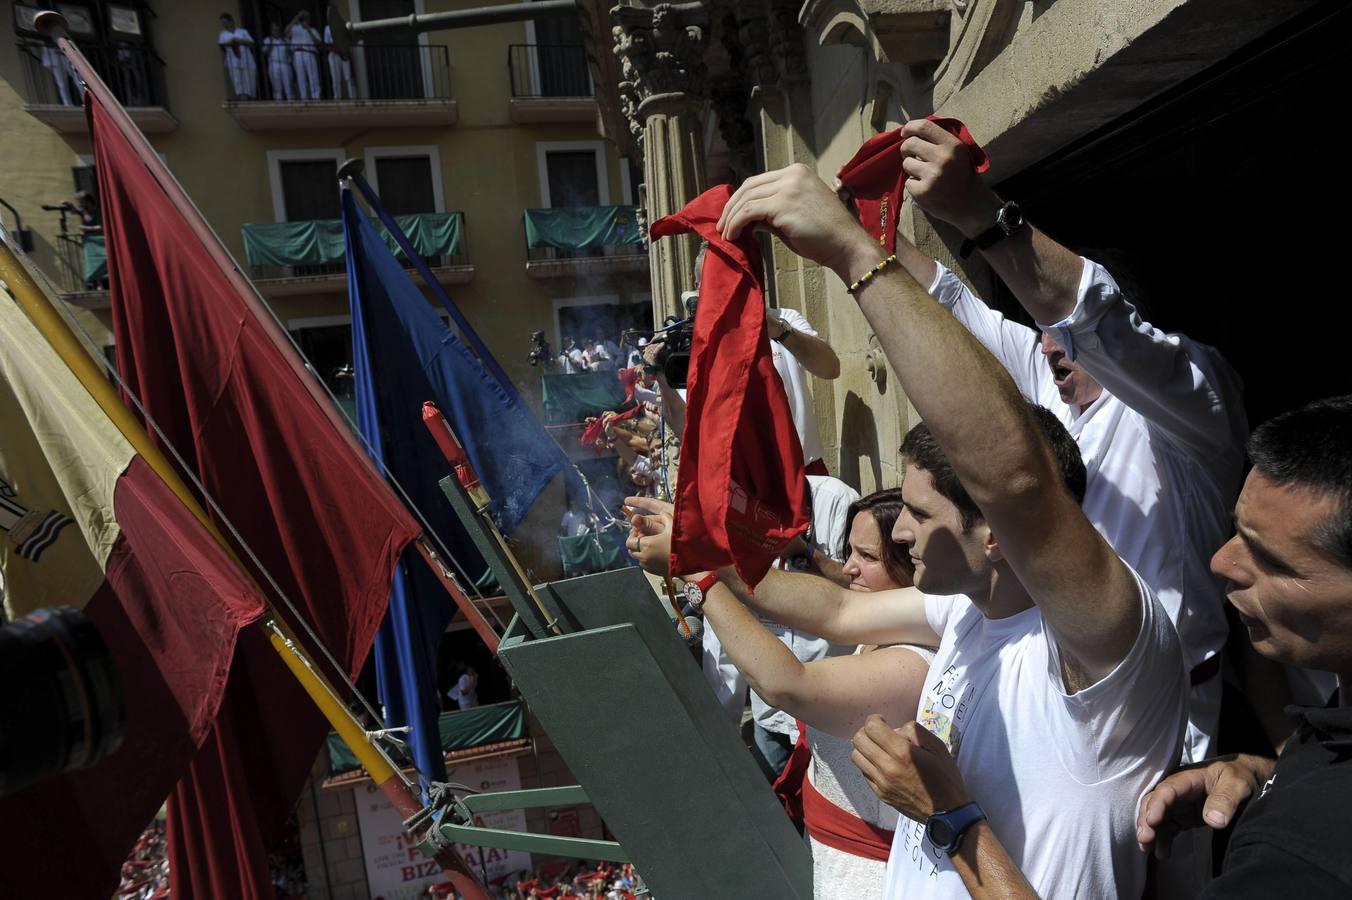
1059,682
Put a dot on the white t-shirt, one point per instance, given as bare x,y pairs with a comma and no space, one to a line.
276,52
303,38
794,376
1163,447
1059,776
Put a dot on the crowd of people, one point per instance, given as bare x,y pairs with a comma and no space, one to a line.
1005,677
289,60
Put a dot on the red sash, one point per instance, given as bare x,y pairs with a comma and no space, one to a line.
830,825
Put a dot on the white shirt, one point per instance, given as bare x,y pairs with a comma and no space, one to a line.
794,376
1059,776
465,692
236,56
831,499
1163,444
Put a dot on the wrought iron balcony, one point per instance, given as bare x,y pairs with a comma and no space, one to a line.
279,85
134,74
550,83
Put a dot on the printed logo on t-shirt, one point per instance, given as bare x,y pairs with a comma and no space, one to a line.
946,703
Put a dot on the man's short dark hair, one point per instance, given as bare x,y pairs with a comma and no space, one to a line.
920,449
1311,448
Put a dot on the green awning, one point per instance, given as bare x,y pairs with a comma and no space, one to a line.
587,554
95,259
320,241
571,398
576,227
460,730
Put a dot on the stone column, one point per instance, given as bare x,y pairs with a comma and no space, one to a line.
661,50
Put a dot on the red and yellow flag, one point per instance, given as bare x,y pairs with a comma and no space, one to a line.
87,523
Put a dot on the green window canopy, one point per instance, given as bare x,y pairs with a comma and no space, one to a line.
579,227
319,242
95,259
571,398
460,730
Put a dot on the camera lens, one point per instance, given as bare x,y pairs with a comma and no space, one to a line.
61,708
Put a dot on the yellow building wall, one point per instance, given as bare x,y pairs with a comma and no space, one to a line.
489,170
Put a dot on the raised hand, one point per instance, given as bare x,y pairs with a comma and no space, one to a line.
941,179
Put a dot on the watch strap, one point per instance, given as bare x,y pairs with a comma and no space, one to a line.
707,582
958,821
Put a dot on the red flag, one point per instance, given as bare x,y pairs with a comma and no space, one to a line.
874,177
742,494
88,524
191,345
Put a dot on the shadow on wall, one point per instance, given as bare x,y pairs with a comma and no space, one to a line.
859,442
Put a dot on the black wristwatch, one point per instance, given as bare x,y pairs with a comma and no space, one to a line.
946,827
1008,221
801,562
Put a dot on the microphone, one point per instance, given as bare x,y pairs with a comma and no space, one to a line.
696,626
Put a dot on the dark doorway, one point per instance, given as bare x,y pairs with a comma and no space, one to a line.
393,61
1219,207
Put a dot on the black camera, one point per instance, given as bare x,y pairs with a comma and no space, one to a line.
539,350
675,341
62,708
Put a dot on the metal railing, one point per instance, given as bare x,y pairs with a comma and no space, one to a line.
309,73
549,70
460,257
591,250
134,74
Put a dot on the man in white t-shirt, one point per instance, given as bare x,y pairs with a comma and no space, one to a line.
1059,682
238,46
304,42
798,352
277,58
1159,417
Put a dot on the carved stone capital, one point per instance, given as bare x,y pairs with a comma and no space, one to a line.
661,52
897,31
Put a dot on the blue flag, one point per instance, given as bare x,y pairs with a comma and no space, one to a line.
403,355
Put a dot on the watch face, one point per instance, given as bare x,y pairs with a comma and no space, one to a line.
940,833
693,595
1010,218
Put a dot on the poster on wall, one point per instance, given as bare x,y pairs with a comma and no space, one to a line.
395,870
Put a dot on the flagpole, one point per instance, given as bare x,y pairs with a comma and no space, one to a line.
392,782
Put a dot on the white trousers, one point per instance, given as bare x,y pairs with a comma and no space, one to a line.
340,76
243,79
279,73
307,74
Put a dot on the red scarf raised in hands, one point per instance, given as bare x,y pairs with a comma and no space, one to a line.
875,179
741,495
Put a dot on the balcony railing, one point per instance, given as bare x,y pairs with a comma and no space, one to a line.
309,73
549,70
134,74
571,232
315,247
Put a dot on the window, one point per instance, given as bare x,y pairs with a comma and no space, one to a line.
304,184
573,173
408,179
309,189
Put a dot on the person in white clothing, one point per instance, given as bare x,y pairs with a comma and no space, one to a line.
277,58
304,42
63,75
1059,684
465,691
238,47
1159,417
798,352
340,67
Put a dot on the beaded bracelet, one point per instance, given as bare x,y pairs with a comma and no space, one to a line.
868,276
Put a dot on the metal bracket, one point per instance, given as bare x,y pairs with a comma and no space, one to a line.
457,826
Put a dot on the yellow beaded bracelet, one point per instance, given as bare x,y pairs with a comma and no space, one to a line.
868,276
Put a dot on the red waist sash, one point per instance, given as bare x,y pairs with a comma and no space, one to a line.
830,825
